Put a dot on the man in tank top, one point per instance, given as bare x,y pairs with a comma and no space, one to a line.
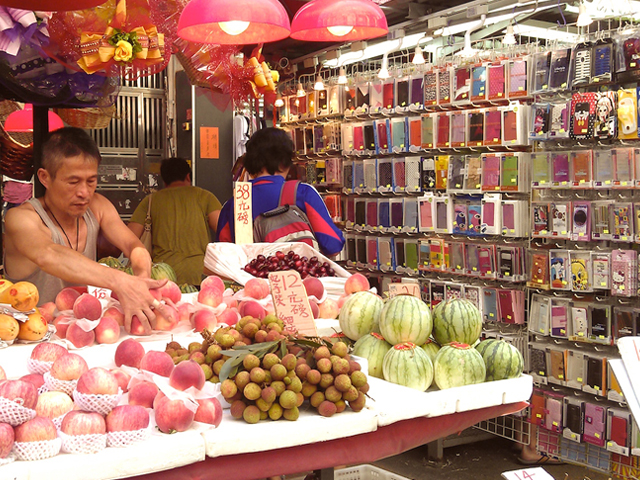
51,241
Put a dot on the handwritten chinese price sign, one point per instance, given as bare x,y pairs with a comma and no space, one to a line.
242,210
291,303
537,473
209,142
412,289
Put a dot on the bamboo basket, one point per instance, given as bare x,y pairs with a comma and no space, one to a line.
90,118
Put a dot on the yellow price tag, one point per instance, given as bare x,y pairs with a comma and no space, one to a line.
579,379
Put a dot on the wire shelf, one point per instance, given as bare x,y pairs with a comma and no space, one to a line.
511,427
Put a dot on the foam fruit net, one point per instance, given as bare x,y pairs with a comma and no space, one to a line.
55,385
102,404
91,443
13,413
58,421
37,450
8,459
37,366
125,439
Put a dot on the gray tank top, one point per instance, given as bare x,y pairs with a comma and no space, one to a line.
48,285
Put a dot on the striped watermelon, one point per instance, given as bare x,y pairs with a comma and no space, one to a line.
111,262
432,349
458,364
372,347
360,315
484,344
409,365
406,318
160,271
502,360
456,320
187,288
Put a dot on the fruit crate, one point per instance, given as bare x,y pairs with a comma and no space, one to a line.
366,472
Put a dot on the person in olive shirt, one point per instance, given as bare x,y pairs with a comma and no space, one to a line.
181,216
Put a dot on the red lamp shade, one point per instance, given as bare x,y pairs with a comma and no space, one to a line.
22,120
51,5
234,22
338,21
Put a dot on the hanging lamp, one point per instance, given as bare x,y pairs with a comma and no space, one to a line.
234,22
584,19
342,76
418,57
51,5
279,101
338,21
22,120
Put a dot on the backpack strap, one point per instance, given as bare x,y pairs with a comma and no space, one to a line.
289,193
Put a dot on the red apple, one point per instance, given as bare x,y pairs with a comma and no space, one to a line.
129,353
187,374
53,404
36,378
122,377
38,429
83,423
97,381
48,352
157,362
143,393
68,367
6,439
126,418
19,391
173,415
209,411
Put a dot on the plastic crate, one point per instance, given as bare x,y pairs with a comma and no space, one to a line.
366,472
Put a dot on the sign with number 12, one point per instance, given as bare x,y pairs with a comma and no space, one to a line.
291,303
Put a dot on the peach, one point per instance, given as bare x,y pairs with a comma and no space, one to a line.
156,400
48,352
252,309
204,319
229,316
78,337
209,411
53,404
107,331
166,323
314,287
257,288
97,381
143,393
329,309
356,283
87,306
122,377
157,362
36,378
47,311
62,323
230,301
69,367
116,314
66,298
24,393
3,375
38,429
212,281
173,415
136,327
184,312
6,439
343,298
210,296
171,291
314,309
129,353
83,423
127,418
187,374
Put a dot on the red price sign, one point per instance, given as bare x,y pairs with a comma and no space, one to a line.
243,217
99,293
291,303
412,289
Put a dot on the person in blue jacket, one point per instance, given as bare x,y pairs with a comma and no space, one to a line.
267,161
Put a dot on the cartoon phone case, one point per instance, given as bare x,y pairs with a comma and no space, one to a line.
541,226
581,65
474,221
627,114
583,115
559,269
606,116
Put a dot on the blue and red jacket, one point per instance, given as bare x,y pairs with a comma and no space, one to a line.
265,197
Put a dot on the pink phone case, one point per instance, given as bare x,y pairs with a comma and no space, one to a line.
594,424
553,417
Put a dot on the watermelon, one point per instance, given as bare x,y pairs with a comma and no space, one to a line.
111,262
432,349
160,271
456,320
502,360
406,318
458,364
360,315
409,365
484,344
372,347
186,288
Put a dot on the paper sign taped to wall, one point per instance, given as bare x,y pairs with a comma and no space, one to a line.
412,289
209,142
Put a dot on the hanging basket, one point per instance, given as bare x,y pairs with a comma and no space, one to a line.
92,118
16,161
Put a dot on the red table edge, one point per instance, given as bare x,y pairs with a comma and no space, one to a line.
369,447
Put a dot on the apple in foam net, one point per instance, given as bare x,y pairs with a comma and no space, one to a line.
173,415
78,337
54,404
79,422
36,379
129,353
21,392
97,381
187,374
69,367
107,331
127,418
122,377
209,411
38,429
6,439
48,352
66,298
157,362
143,393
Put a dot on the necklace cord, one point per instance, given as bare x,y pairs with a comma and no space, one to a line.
65,233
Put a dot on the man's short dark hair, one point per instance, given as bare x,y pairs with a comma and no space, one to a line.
174,169
269,149
68,142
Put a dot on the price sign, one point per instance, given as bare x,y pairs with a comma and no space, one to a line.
412,289
99,293
291,303
537,473
243,216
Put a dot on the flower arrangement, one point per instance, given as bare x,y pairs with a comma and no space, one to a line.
126,44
